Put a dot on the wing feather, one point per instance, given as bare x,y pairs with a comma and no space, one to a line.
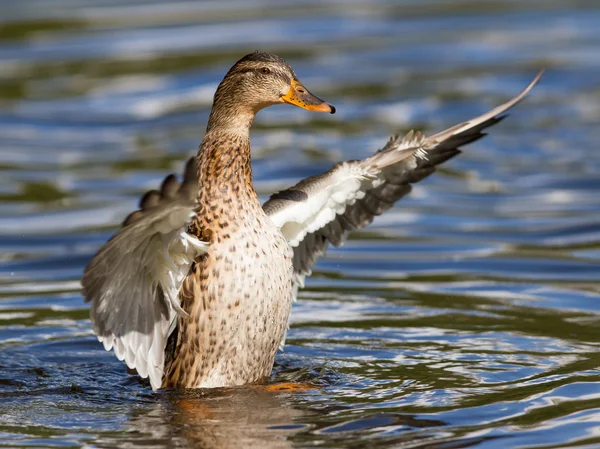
323,209
133,281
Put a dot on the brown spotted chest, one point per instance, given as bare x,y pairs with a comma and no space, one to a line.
238,296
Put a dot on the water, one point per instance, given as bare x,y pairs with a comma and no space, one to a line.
467,316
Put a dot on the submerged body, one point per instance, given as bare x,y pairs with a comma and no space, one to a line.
195,290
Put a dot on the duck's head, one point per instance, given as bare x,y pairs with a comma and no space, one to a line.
259,80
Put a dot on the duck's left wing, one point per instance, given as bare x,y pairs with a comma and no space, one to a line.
324,208
133,281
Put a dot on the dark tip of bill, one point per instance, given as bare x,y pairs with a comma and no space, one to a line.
332,107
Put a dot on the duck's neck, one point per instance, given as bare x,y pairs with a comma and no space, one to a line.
224,168
230,114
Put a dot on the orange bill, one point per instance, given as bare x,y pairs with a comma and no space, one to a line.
298,95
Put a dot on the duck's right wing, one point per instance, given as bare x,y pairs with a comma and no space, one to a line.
133,281
323,209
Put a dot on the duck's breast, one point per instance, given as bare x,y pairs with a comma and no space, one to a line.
238,297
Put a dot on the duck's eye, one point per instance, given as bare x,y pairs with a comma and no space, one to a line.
265,70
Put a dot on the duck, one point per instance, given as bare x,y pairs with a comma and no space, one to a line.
195,289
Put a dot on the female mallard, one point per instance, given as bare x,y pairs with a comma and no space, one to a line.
195,290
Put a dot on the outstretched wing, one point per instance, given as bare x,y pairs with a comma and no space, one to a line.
133,281
322,209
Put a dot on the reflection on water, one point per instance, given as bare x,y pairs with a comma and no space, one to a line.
250,417
467,316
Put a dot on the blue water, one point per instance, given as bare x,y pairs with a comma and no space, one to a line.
467,316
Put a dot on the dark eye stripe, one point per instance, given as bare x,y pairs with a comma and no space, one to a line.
283,77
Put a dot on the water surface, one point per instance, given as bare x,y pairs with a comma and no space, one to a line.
467,316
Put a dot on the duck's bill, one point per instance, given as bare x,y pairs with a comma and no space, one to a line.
298,95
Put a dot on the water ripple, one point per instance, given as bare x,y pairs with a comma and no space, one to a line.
466,316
